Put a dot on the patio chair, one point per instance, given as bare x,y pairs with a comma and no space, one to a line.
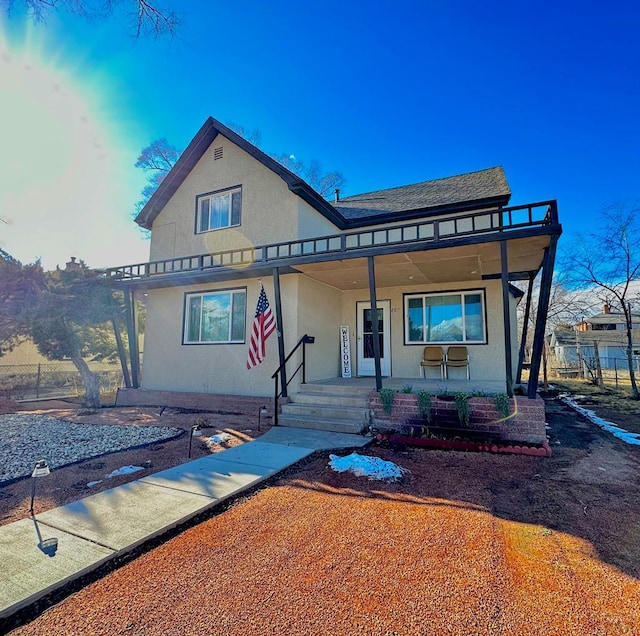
457,357
432,357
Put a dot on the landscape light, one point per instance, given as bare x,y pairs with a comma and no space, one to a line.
41,469
262,411
195,432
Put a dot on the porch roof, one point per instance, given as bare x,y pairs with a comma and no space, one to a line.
445,249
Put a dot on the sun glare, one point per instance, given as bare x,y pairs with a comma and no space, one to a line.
59,157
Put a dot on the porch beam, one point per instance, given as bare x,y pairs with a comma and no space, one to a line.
541,316
512,275
525,329
280,332
375,327
132,336
506,317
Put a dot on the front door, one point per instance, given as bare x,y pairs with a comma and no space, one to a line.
366,359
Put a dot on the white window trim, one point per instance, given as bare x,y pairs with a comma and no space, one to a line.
462,294
214,195
215,292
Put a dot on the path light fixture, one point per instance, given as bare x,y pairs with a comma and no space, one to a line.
195,432
262,411
41,469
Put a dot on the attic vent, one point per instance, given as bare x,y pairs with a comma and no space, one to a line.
217,153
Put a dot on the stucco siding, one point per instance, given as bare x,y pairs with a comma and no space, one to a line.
211,368
319,314
269,209
311,223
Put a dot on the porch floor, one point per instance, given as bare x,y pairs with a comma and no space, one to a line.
432,385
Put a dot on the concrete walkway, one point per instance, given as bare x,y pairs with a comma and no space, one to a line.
41,554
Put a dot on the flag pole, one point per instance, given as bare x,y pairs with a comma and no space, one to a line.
278,307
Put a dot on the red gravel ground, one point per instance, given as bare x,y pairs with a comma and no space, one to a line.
466,544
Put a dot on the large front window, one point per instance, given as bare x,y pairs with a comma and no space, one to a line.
219,209
215,317
443,318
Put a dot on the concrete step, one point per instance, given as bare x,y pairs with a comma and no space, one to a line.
321,424
311,397
340,388
327,411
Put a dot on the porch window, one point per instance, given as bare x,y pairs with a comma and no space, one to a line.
218,209
215,317
443,318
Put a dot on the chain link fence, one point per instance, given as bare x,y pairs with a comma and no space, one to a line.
615,371
55,380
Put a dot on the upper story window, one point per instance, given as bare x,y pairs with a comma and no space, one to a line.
218,209
444,318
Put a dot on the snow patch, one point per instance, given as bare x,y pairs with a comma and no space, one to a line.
221,438
125,470
371,467
91,484
616,431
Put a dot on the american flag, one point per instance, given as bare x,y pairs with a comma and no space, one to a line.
264,324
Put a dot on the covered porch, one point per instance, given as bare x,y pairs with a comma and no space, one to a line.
489,248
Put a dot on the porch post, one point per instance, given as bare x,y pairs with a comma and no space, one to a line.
541,315
506,316
375,327
281,354
121,353
132,336
525,329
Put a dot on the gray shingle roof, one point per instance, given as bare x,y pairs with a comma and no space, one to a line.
611,318
465,191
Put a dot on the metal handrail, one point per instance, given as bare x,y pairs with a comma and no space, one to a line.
306,339
440,229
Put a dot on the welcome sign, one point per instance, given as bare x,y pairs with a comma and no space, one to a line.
345,351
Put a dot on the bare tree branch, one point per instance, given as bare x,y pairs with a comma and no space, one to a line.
148,20
609,258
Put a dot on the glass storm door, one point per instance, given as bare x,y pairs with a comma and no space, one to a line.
366,359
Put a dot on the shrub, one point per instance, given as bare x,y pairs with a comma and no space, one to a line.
387,397
424,405
503,405
462,406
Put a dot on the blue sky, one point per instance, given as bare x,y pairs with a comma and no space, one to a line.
389,94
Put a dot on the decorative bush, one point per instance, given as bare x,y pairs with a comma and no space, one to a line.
462,406
424,405
387,397
503,405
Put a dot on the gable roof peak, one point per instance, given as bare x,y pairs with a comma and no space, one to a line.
194,152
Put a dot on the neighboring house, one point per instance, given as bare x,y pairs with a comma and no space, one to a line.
608,330
608,321
436,259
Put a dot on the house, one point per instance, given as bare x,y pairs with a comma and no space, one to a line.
402,268
609,333
608,321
